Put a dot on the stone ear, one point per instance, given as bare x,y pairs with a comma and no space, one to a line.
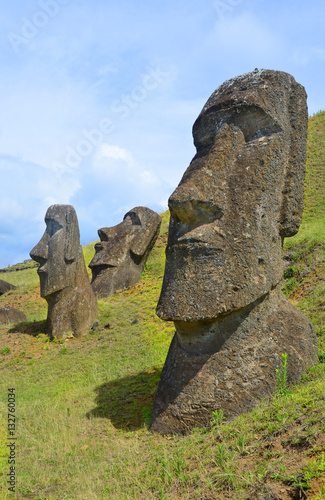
72,237
293,194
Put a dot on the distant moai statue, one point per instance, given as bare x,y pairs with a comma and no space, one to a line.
6,287
11,315
240,196
123,251
64,281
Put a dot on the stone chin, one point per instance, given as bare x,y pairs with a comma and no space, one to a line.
208,299
47,287
46,290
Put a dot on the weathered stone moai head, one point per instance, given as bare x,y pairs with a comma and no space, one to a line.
123,251
242,193
240,196
64,281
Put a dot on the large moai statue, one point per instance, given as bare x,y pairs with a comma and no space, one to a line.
64,281
123,251
240,196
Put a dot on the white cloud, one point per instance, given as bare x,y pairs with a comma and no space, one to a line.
115,152
57,189
149,180
112,162
164,204
116,164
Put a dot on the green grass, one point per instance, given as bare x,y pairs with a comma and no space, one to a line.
84,405
304,280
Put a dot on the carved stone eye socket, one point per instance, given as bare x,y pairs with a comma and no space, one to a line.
52,226
135,219
102,233
252,120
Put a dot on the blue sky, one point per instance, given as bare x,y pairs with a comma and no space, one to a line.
98,98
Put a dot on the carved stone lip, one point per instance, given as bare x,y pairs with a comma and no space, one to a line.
104,266
183,241
207,248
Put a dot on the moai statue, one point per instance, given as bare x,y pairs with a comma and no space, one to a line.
6,287
64,281
240,196
123,251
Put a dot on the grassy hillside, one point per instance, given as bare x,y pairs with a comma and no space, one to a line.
305,253
83,405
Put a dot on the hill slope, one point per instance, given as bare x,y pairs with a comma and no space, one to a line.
83,405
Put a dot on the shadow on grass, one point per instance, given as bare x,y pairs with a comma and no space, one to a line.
32,328
127,402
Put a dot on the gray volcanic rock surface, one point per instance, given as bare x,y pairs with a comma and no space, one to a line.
72,307
5,287
123,251
11,315
238,374
240,196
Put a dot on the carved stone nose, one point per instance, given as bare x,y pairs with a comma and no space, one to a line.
40,252
190,207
